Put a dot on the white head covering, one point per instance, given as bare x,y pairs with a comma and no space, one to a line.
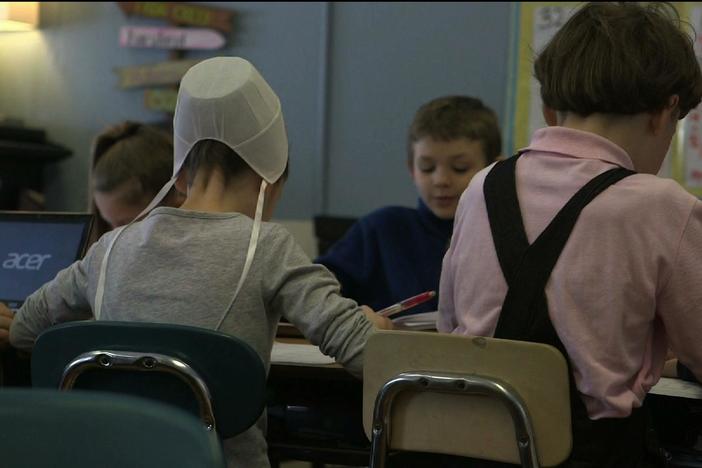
224,99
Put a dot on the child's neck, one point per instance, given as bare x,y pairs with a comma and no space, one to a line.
629,132
622,131
213,195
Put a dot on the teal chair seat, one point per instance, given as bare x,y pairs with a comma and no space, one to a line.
48,428
213,375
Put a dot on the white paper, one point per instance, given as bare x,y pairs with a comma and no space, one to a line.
677,388
286,353
423,321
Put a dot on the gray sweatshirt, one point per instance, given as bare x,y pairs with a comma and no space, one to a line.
182,267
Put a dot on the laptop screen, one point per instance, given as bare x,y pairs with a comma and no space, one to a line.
34,247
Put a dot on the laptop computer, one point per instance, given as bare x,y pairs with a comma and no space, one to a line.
35,246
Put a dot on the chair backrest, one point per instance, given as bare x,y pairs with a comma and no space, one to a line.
329,229
429,417
79,429
193,368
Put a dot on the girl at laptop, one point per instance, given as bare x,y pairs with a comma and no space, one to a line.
215,262
131,162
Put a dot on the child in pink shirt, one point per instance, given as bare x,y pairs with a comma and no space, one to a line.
616,279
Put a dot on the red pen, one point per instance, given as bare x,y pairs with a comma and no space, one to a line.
407,303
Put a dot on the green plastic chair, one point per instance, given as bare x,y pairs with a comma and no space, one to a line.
48,428
215,376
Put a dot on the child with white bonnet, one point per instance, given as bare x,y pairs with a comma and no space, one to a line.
215,262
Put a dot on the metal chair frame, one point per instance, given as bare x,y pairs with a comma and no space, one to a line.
218,378
145,362
453,384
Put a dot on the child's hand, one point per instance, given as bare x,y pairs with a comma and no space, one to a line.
6,317
380,322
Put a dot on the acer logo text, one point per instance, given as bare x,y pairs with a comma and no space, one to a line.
25,261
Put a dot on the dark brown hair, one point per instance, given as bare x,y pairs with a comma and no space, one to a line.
453,117
206,155
620,58
130,151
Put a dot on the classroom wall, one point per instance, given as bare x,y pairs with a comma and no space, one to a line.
349,75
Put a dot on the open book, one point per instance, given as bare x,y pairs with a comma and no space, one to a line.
300,354
423,321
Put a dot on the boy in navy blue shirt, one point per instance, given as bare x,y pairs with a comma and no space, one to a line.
396,252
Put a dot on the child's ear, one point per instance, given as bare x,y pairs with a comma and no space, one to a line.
181,183
674,107
550,115
410,167
660,120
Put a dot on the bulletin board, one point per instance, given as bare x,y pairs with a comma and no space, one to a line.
534,25
686,165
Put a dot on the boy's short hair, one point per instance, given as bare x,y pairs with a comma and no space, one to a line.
620,58
208,155
453,117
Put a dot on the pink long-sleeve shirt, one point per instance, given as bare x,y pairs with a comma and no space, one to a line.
627,285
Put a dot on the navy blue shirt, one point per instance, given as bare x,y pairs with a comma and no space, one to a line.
389,255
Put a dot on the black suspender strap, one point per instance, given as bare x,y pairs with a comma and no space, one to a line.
602,443
525,267
505,216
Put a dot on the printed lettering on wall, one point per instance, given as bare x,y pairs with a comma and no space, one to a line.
190,27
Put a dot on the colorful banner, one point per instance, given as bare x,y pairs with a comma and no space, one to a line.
170,38
161,99
162,73
181,13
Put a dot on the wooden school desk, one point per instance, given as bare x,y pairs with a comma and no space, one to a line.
314,410
675,405
678,388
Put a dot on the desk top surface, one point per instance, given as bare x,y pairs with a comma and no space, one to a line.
297,352
677,388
